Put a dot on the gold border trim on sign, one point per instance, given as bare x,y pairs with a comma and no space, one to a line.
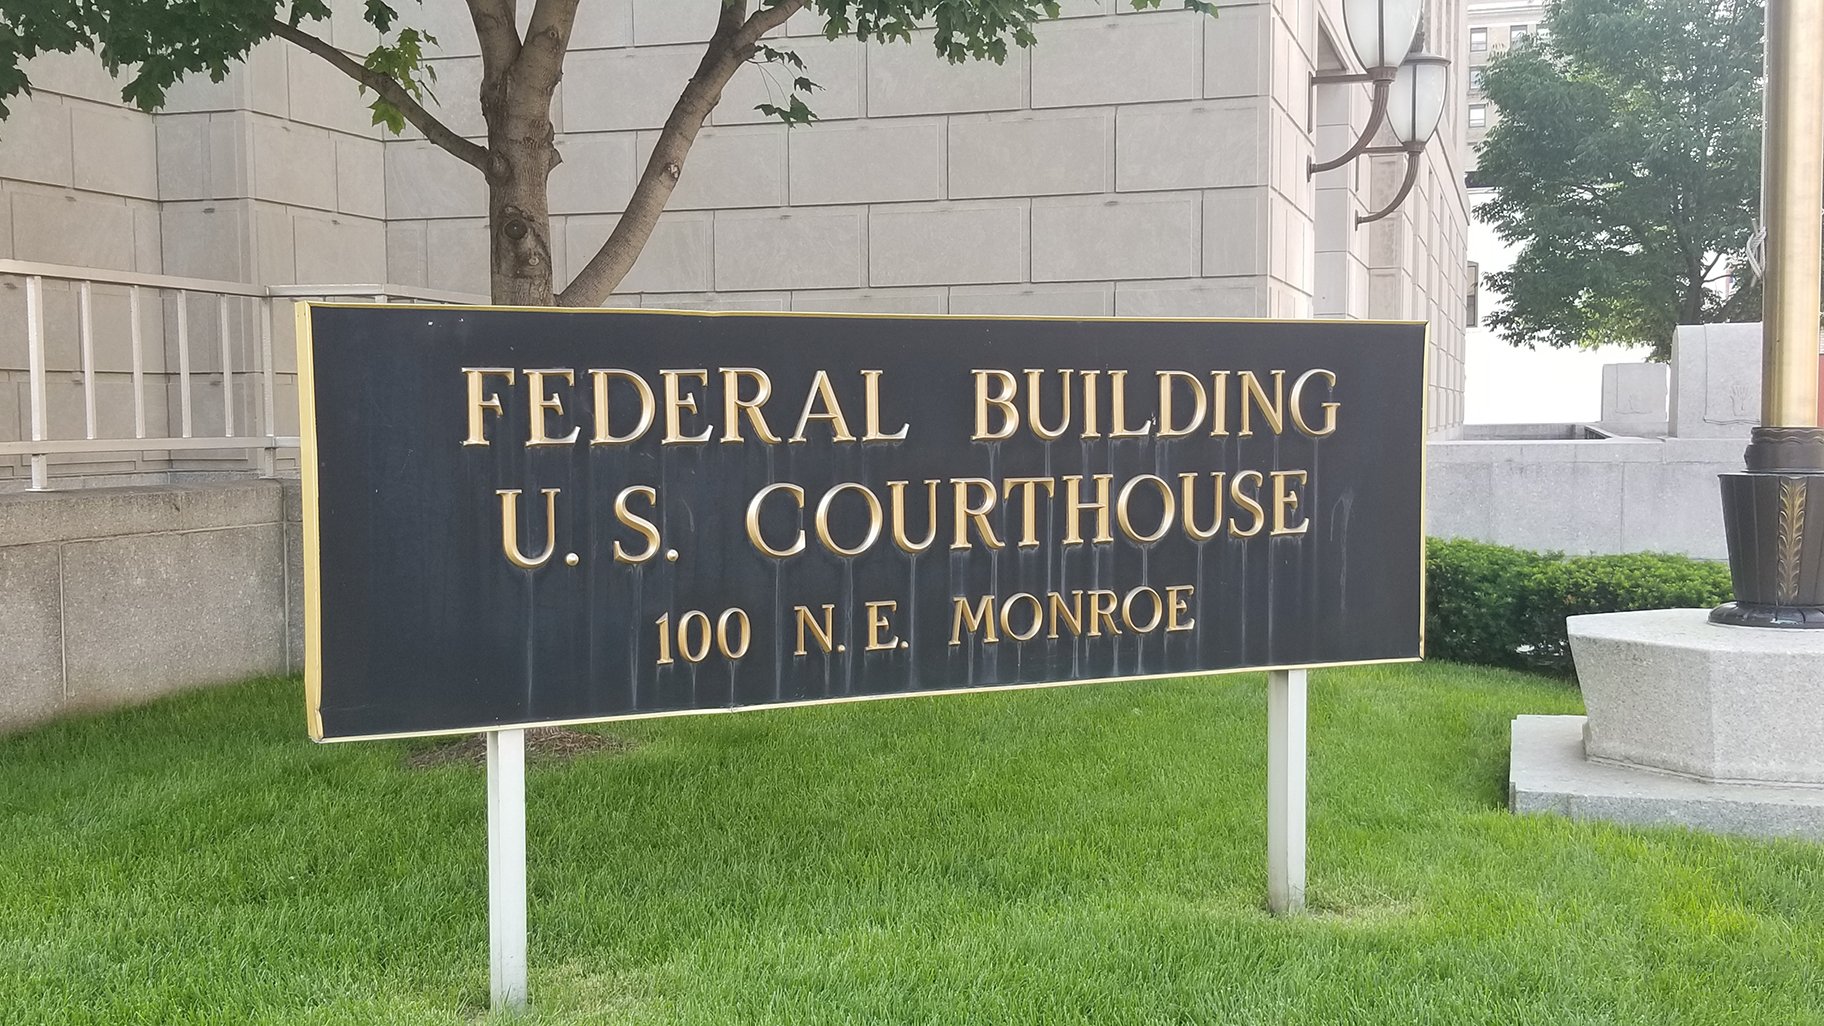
309,470
847,699
313,571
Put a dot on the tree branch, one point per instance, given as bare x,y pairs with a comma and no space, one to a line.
733,44
392,92
498,36
1733,305
764,20
541,59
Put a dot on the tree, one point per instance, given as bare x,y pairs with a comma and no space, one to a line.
155,43
1626,166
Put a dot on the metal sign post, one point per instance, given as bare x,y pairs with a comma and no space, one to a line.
1286,792
507,869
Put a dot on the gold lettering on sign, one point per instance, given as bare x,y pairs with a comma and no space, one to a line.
677,402
1091,429
1274,409
1298,406
1176,606
1071,615
974,513
1219,403
604,435
871,410
1102,611
481,402
897,490
733,406
1168,395
543,405
646,528
753,519
509,528
822,392
823,519
1127,610
972,619
1285,500
1117,384
1033,418
1188,492
1010,417
1074,507
1248,500
1038,617
1165,515
1029,525
877,623
824,633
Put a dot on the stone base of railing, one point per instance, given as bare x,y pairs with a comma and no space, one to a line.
114,596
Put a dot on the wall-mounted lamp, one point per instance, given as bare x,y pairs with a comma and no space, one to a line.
1380,32
1409,88
1415,104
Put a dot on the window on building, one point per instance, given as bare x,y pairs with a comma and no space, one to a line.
1516,34
1475,79
1473,305
1478,115
1478,40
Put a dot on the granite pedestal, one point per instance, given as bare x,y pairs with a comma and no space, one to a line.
1690,723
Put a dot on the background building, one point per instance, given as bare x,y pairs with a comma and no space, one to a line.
1493,28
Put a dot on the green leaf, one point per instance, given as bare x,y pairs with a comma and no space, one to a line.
793,113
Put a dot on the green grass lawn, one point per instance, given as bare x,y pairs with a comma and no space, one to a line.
1085,855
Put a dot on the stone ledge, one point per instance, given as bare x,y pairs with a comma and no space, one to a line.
35,518
1549,774
1667,690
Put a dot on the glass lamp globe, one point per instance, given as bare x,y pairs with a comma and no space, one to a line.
1416,101
1380,31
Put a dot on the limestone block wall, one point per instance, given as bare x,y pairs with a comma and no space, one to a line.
1133,163
1418,256
1716,380
275,175
115,596
1582,496
1635,399
78,172
1001,186
78,185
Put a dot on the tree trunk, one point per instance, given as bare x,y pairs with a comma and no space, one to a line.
519,209
1691,307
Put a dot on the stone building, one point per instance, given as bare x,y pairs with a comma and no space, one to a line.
1493,28
1131,164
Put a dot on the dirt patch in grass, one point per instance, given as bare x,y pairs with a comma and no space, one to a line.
543,744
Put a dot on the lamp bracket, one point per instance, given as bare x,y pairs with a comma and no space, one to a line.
1382,79
1413,152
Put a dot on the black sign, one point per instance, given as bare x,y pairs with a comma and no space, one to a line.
527,517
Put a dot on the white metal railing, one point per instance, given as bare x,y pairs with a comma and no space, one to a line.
242,321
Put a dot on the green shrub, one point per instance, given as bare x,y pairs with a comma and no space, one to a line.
1474,601
1498,606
